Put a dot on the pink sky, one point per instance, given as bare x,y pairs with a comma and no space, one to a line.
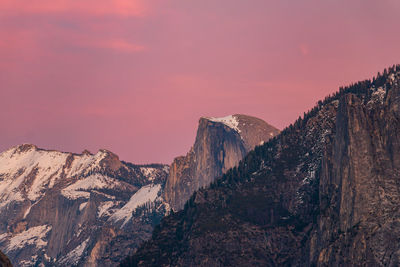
135,76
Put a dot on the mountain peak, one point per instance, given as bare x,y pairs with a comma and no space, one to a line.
87,152
252,130
231,121
220,144
24,147
109,159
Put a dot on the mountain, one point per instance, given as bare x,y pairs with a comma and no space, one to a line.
68,209
4,261
325,192
220,144
93,209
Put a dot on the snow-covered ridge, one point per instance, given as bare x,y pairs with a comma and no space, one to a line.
26,171
231,121
16,166
33,236
80,188
145,194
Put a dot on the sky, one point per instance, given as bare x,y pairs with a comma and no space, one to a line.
135,76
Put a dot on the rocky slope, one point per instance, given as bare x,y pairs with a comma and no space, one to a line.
325,192
220,144
67,209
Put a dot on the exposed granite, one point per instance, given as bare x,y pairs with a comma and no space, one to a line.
218,147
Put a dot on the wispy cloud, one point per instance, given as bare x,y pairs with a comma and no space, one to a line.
120,45
91,7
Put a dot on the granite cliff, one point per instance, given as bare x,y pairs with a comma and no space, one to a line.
220,144
324,192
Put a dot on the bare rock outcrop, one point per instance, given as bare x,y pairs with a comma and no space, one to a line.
220,144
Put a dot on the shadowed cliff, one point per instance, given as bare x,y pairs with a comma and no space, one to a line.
4,261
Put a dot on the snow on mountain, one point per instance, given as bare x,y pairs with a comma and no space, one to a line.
149,172
104,208
73,257
33,236
26,171
82,188
19,164
82,206
53,204
231,121
88,163
145,194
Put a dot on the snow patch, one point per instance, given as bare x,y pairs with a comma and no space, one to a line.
104,208
3,236
145,194
82,206
32,236
378,96
33,170
150,173
73,257
39,166
95,181
74,195
103,194
28,210
166,168
87,163
230,121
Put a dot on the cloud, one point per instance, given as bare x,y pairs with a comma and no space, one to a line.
121,45
91,7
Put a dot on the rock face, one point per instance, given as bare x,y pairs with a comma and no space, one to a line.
360,183
325,192
220,144
64,209
4,261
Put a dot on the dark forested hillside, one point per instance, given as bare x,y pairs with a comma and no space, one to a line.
326,191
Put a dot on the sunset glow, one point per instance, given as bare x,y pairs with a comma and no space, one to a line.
135,76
